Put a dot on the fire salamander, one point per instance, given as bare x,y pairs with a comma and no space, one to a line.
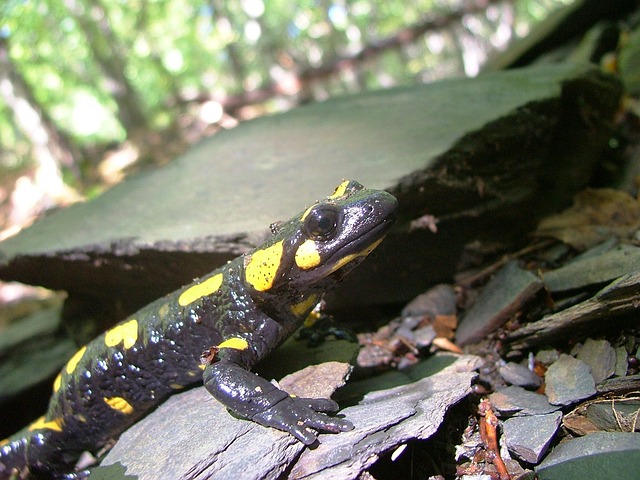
237,314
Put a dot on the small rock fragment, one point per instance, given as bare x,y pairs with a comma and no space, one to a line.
601,358
317,381
568,380
622,362
519,375
438,300
529,437
518,401
424,336
547,357
575,351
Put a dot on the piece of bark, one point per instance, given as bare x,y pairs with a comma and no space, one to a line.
616,299
620,385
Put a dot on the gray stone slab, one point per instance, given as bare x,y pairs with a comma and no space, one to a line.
528,438
192,436
593,270
519,375
501,298
568,380
31,353
619,414
622,361
427,143
243,179
601,358
597,456
516,401
385,420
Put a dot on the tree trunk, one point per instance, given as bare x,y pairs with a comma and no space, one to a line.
236,62
110,55
51,148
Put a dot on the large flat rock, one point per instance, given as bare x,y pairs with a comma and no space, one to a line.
472,152
191,436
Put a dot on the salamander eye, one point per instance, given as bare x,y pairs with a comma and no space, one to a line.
322,222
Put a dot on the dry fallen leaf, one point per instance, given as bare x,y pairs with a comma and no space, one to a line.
445,325
597,214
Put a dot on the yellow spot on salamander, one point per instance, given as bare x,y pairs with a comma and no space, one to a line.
261,269
73,362
235,343
209,286
4,442
176,386
127,333
307,255
340,190
202,367
120,404
163,311
41,424
57,382
306,212
348,258
302,309
311,319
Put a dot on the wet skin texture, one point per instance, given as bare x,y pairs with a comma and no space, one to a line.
236,315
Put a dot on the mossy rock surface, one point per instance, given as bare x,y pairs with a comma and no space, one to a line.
471,152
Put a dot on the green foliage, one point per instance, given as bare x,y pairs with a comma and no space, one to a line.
173,49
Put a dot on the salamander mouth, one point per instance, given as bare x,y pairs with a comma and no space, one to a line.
351,253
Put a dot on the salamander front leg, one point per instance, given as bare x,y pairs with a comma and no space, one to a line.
251,396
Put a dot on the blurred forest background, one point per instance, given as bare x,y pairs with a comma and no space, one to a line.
94,89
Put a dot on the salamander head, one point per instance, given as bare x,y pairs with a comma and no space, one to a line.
322,243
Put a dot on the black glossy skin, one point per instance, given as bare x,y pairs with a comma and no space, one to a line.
161,353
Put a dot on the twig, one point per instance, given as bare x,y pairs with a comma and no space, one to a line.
489,436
